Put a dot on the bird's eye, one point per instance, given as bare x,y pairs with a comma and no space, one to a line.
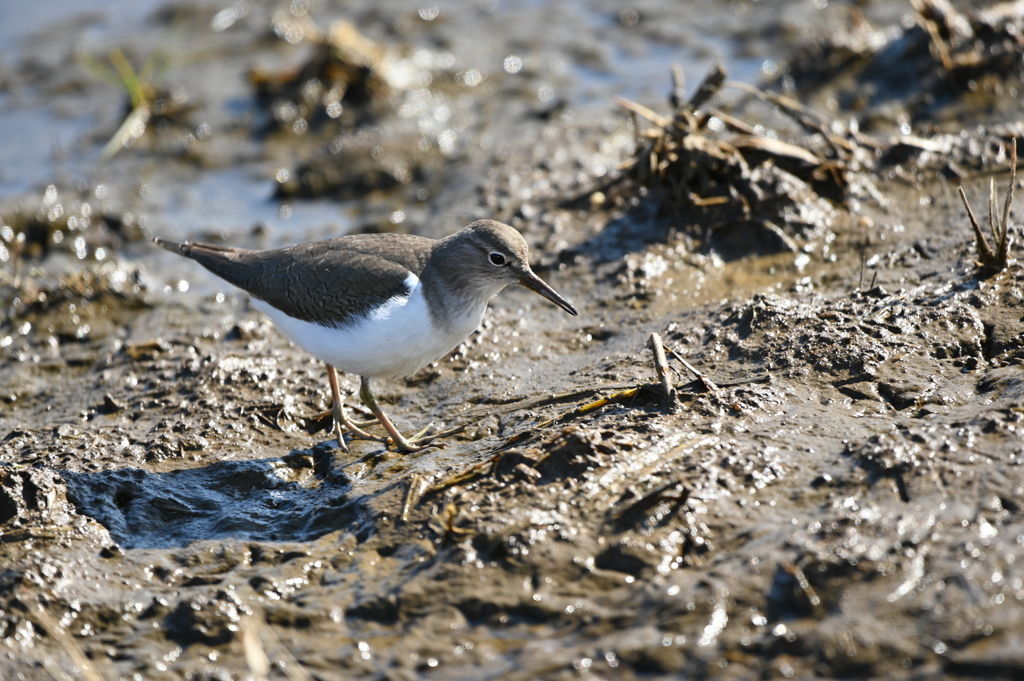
497,259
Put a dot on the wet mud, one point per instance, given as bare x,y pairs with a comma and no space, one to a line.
840,493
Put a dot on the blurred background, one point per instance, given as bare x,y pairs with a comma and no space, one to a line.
269,123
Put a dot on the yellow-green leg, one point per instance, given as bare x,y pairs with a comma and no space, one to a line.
401,443
340,419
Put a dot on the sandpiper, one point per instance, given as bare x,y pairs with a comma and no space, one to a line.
378,305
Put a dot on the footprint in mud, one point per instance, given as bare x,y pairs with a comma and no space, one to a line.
249,500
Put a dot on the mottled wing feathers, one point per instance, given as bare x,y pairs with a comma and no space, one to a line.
328,282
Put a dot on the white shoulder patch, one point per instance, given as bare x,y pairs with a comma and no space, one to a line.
395,303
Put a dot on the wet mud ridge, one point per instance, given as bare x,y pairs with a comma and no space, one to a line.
782,439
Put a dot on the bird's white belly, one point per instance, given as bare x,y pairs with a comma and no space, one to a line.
395,340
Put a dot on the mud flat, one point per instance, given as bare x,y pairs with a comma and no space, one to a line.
839,492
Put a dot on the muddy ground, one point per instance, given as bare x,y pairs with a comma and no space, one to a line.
849,501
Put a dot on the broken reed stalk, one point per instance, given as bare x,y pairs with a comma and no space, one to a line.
678,97
255,655
924,16
661,368
1004,244
257,637
86,667
17,249
805,585
994,260
412,495
708,384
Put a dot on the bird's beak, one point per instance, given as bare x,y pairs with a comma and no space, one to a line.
537,285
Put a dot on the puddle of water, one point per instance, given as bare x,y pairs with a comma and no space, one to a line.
248,500
20,20
603,57
44,145
233,202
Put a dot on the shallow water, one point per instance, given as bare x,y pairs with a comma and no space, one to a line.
578,54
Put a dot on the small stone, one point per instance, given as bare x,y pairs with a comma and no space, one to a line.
112,551
110,405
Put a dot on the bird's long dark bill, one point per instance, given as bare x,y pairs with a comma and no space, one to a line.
537,285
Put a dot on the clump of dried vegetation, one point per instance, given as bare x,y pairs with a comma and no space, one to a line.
717,172
994,259
713,174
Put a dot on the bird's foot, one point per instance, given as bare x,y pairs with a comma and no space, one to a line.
421,441
355,430
340,437
418,443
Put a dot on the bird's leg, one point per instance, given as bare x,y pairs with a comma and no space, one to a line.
339,415
370,400
401,443
339,410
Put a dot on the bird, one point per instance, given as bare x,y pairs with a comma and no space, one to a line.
378,305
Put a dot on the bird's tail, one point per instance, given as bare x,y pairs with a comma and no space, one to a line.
194,250
236,265
172,246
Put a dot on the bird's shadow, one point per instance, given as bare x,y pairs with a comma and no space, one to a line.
253,500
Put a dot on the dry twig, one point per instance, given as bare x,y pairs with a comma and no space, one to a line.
708,384
662,370
86,667
412,495
257,638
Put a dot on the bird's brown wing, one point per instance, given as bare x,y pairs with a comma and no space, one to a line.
330,282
